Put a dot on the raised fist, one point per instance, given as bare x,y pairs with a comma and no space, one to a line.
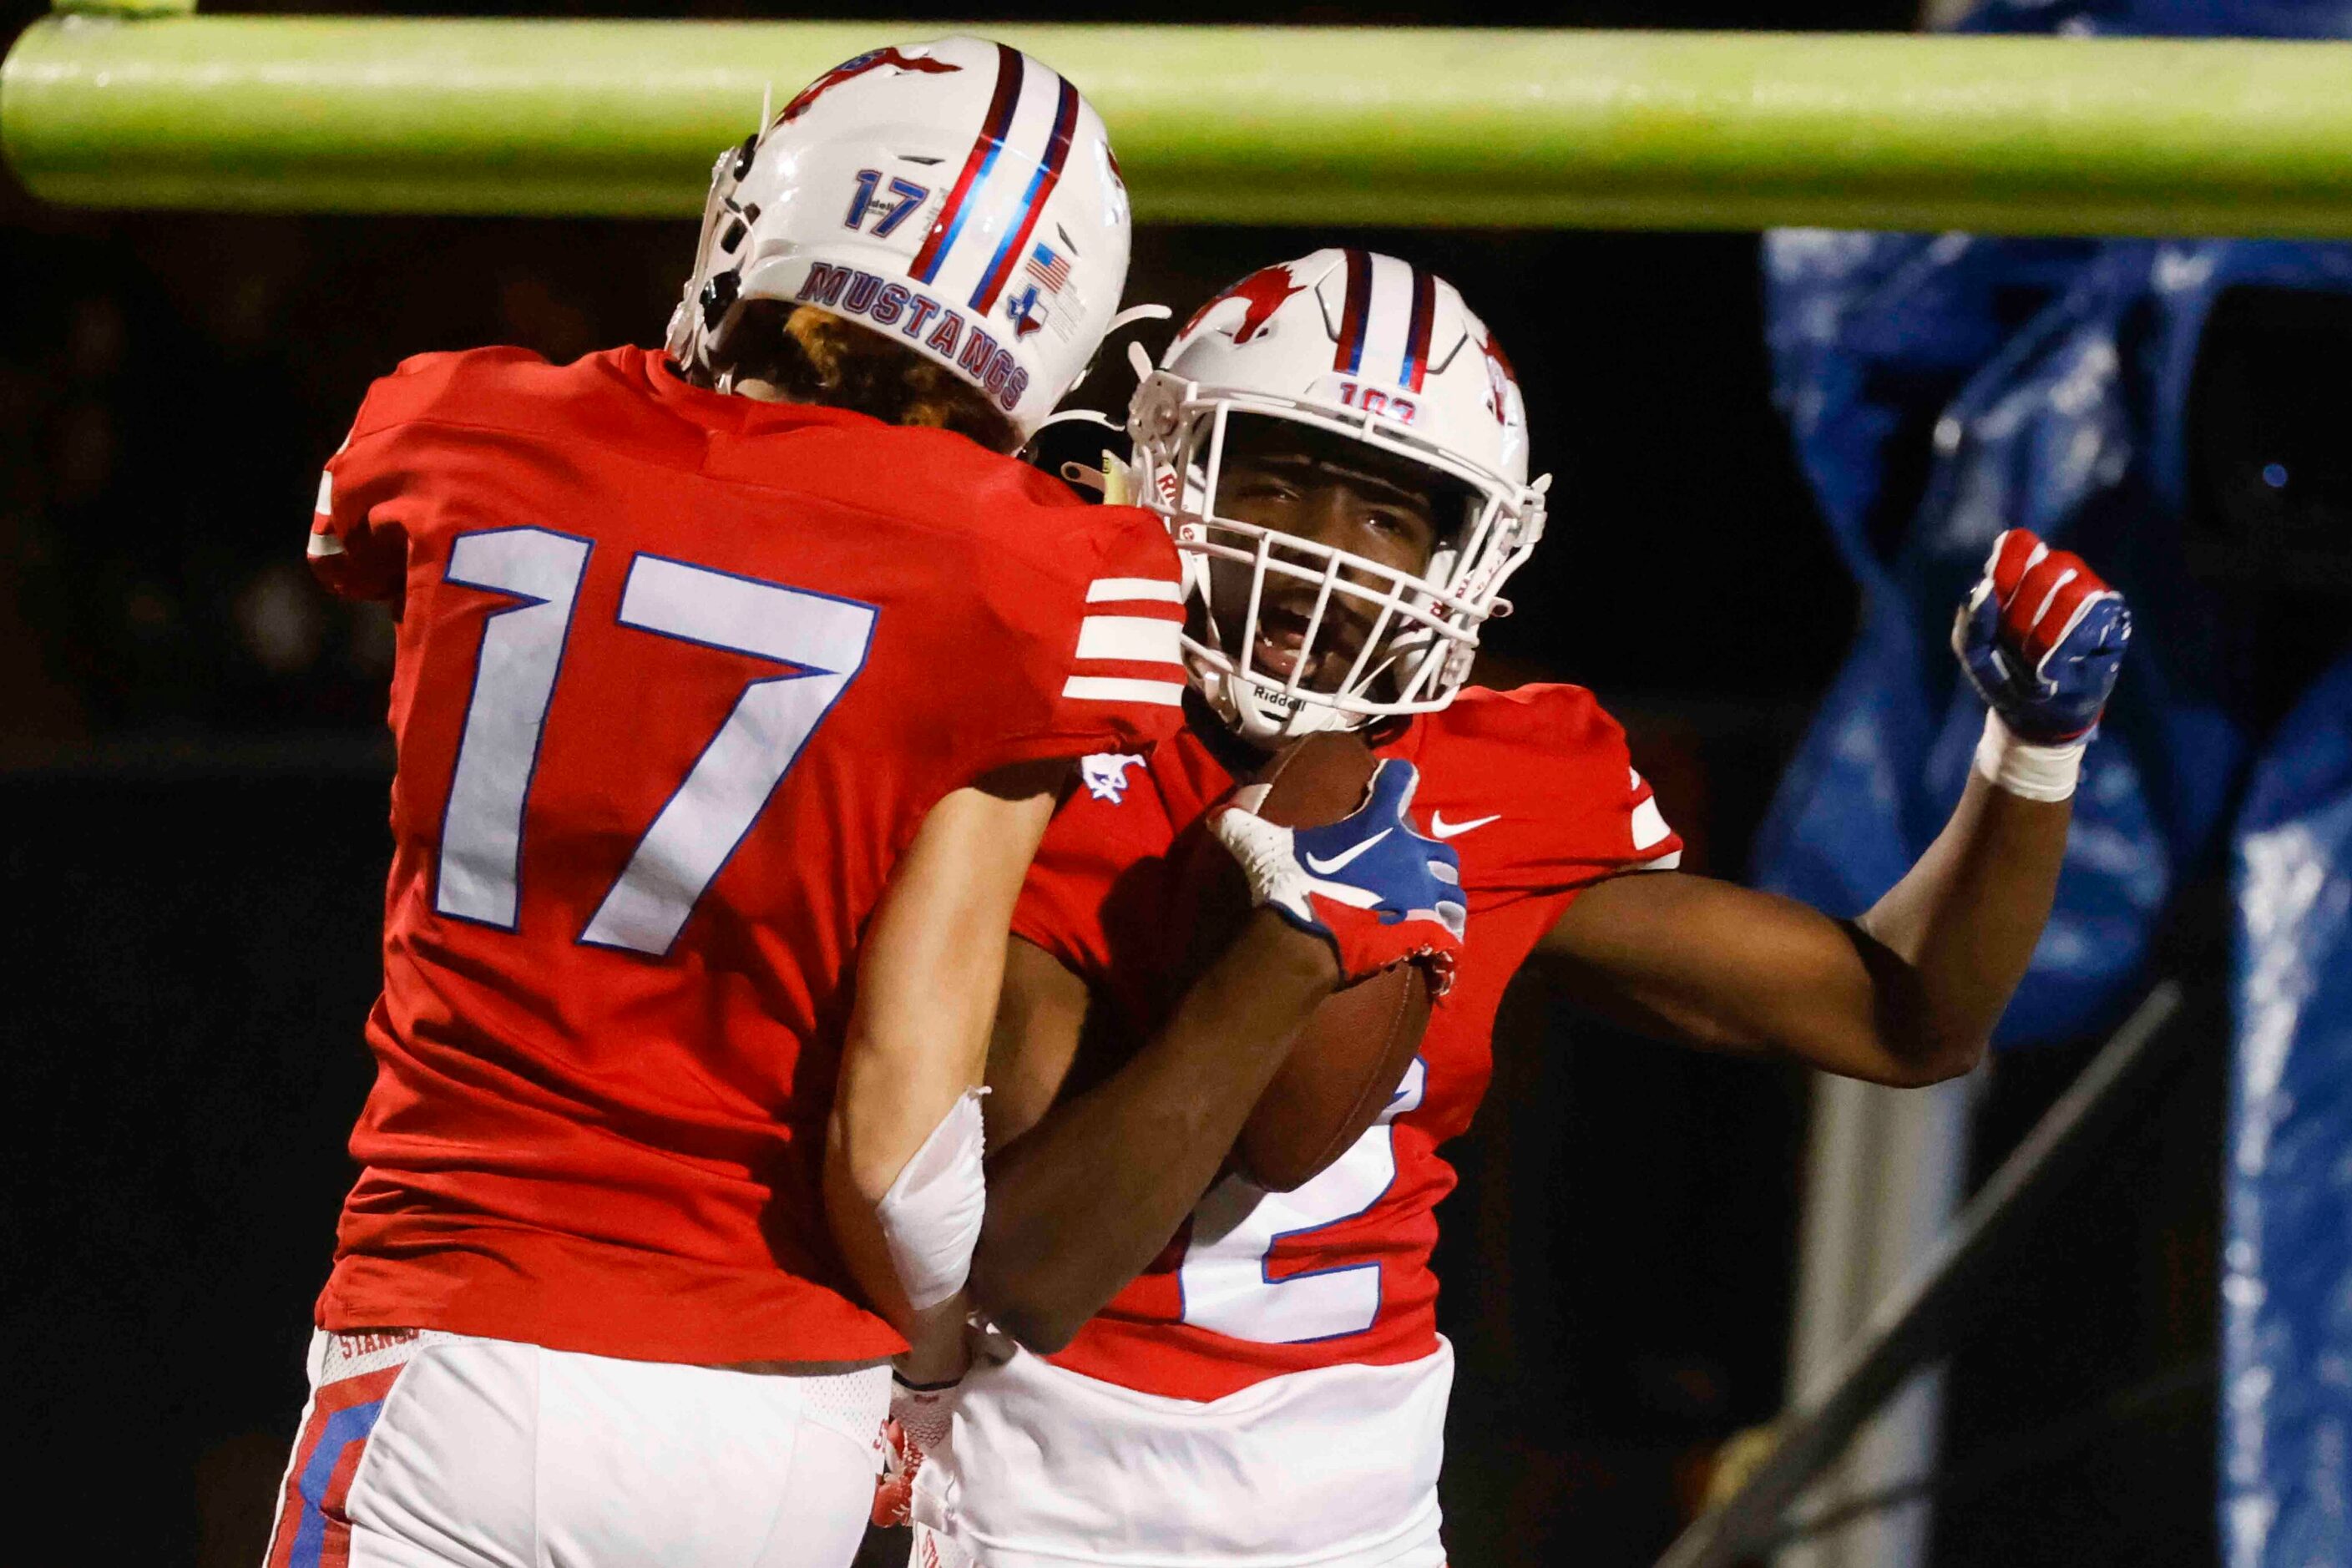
2042,638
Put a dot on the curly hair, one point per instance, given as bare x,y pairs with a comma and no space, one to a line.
815,356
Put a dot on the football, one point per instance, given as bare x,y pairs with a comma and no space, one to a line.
1353,1051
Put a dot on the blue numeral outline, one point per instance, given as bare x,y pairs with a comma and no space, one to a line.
910,195
800,670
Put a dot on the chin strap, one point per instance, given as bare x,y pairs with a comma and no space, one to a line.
1114,481
1077,417
1135,313
1074,473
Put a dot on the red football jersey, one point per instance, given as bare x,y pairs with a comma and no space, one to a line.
1533,789
679,675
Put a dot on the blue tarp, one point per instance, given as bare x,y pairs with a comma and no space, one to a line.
2045,384
1941,388
2286,1265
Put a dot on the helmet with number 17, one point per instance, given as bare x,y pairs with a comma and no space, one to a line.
1345,351
958,196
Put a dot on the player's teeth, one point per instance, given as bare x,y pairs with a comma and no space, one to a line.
1275,657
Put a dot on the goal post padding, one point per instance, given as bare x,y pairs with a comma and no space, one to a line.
1394,126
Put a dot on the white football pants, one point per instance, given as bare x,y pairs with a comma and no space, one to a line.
432,1450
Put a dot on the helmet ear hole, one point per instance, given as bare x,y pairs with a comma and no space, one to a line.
718,297
744,157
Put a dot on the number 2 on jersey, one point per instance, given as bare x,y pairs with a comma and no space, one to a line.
1224,1277
707,816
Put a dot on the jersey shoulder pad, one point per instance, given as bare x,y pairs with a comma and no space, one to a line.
1538,741
450,384
1092,599
1560,715
1551,766
1083,557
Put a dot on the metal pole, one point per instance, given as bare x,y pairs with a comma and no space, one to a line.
1886,1171
1507,127
1906,1329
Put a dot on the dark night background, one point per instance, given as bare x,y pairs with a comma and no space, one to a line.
193,766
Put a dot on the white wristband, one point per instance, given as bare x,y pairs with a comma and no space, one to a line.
930,1217
2023,768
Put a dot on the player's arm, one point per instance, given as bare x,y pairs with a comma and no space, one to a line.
902,1176
1905,994
350,552
1082,1195
1908,993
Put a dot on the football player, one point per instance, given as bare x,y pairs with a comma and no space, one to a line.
734,689
1228,1375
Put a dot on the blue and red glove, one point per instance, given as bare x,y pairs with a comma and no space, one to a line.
1370,884
2042,638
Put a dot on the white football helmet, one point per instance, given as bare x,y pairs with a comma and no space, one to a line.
1380,351
959,193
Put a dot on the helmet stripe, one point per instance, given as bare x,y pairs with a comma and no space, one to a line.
1349,356
1416,342
977,164
1033,202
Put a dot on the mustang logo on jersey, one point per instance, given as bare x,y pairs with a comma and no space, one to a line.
1105,775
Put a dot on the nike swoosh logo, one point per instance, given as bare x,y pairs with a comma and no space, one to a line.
1441,828
1340,862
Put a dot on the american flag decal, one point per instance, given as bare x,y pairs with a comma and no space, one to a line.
1049,268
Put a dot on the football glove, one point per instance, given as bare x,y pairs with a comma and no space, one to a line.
917,1423
1370,884
2042,638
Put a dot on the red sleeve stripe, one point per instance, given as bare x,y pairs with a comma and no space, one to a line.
1649,823
1108,590
1141,638
325,504
1122,689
